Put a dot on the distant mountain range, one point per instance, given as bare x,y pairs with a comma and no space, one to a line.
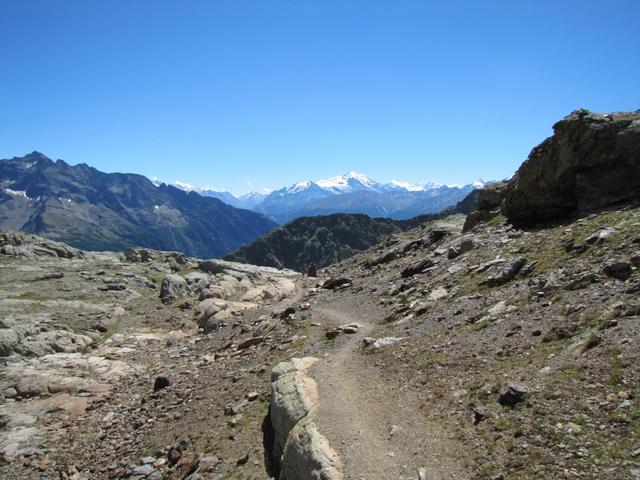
93,210
349,193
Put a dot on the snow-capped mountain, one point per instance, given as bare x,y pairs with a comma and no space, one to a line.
247,201
349,183
351,192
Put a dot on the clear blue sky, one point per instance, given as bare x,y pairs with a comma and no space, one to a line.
224,93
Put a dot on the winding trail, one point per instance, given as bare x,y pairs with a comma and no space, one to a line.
377,429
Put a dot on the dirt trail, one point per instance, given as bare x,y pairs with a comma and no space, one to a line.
378,430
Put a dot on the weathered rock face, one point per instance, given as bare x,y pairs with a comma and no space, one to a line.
591,161
19,244
296,450
173,287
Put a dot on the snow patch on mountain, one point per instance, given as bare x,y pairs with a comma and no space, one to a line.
348,182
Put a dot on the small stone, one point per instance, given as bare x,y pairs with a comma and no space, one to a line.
479,413
235,409
459,248
331,334
243,460
624,395
368,341
618,270
386,341
512,395
252,396
173,455
10,392
599,237
144,470
438,294
160,383
350,329
249,342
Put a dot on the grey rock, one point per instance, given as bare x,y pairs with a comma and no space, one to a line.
173,265
386,341
480,412
160,383
144,470
506,274
581,281
249,342
9,342
173,287
459,248
334,283
416,268
211,266
295,449
600,236
51,275
591,161
619,270
197,277
512,394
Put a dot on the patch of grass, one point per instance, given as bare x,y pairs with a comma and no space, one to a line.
35,296
615,365
571,373
497,220
113,328
479,325
503,424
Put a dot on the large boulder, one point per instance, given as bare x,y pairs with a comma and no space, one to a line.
590,162
173,287
295,449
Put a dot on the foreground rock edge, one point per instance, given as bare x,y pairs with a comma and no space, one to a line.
294,447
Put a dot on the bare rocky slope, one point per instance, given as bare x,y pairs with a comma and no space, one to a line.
456,358
464,348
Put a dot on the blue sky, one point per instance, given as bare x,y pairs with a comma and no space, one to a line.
252,94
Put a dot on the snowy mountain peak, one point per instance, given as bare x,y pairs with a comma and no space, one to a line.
348,182
414,187
299,187
184,186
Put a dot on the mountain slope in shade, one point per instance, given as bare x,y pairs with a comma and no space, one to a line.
93,210
323,240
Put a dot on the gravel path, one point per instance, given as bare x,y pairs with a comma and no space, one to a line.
377,429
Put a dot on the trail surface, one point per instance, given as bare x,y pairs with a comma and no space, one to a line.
378,429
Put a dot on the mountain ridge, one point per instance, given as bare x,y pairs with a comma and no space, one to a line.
93,210
352,193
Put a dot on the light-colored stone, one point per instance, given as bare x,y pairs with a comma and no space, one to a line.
299,451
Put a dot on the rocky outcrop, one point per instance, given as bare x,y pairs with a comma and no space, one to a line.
173,287
590,162
18,244
294,448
